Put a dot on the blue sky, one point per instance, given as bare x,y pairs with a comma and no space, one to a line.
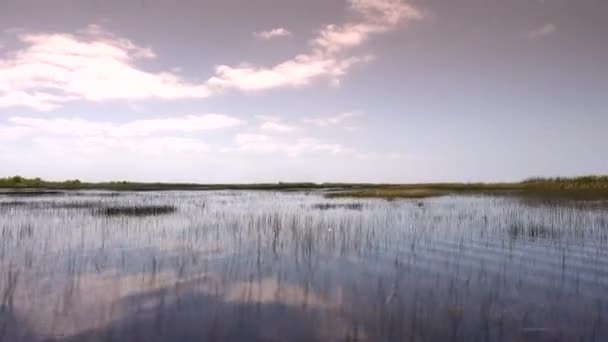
333,90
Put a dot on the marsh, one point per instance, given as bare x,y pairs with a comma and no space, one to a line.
298,266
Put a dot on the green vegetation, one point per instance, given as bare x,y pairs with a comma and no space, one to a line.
587,186
18,182
387,193
586,182
35,183
425,190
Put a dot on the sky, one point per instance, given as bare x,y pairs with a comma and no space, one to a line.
217,91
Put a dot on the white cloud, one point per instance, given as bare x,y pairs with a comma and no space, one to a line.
299,71
248,138
274,33
543,31
334,38
35,99
93,65
62,135
337,120
386,11
111,149
276,127
10,133
273,118
260,143
190,123
380,16
144,145
88,128
328,57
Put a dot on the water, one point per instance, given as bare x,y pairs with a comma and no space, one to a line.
271,266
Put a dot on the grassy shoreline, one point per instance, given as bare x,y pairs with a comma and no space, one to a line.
587,186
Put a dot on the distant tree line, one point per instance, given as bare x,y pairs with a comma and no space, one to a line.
19,181
573,183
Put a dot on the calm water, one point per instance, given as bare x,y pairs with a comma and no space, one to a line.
264,266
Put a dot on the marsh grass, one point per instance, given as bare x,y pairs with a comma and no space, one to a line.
45,205
533,231
387,193
333,206
30,193
76,205
152,210
585,182
13,204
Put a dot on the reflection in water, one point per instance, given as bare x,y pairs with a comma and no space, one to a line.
260,266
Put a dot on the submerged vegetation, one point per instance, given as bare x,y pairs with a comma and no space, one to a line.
96,207
333,206
150,210
586,186
388,193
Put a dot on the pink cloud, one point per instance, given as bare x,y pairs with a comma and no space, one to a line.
328,57
336,120
542,31
95,65
276,127
261,143
274,33
89,128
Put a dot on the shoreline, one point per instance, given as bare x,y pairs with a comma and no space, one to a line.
593,187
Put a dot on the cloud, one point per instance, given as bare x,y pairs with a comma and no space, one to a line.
93,65
260,143
299,71
89,137
328,58
35,99
99,147
543,31
274,33
337,120
381,16
248,138
273,118
157,136
88,128
156,146
385,11
50,70
275,127
11,133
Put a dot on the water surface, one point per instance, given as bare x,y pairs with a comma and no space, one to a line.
277,266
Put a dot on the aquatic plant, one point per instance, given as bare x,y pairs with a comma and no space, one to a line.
152,210
330,206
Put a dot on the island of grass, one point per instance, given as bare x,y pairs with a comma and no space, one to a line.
387,193
587,187
594,187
